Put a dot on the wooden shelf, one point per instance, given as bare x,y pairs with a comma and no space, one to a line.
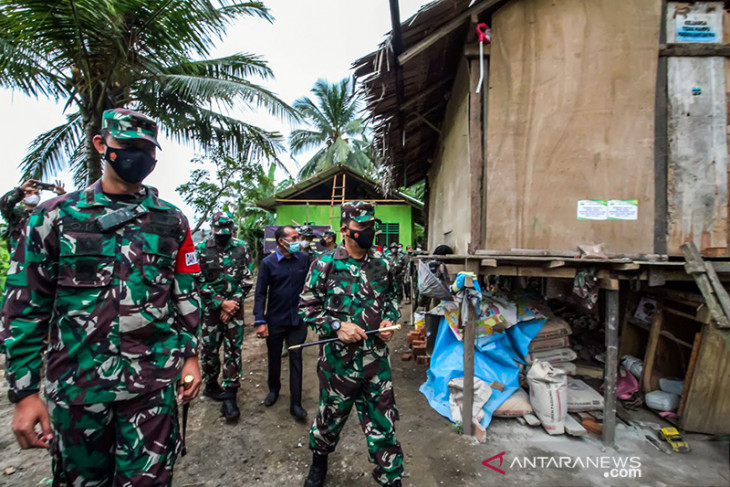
664,333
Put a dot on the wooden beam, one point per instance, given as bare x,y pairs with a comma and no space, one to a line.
470,327
694,50
445,30
472,50
476,154
488,263
432,126
431,89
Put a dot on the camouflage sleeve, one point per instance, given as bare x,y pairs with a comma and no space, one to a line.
206,293
8,202
311,301
390,307
186,300
29,296
244,285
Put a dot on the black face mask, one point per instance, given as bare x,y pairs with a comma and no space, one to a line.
131,165
222,240
323,242
363,238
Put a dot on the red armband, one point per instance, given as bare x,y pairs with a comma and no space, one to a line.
187,258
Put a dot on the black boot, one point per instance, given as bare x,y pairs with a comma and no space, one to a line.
317,472
229,408
214,391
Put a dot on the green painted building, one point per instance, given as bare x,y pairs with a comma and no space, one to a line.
316,201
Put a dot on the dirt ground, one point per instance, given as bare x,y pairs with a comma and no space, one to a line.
268,447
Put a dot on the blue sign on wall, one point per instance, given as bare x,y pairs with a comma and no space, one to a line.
697,28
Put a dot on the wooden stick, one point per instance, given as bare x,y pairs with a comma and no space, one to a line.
319,342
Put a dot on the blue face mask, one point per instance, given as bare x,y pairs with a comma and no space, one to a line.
293,247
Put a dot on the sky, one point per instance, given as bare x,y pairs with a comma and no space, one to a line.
308,40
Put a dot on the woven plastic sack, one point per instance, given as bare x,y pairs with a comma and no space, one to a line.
429,285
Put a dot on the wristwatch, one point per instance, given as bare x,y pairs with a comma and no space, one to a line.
335,325
16,396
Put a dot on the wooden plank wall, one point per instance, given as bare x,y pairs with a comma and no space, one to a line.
698,147
571,117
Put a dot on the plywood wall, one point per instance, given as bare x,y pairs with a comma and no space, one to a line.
449,208
571,117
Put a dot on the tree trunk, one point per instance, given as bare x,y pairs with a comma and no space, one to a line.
93,158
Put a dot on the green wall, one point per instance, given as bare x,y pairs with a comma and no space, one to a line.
319,214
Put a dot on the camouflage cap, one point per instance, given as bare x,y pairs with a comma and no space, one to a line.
329,233
223,223
305,231
359,211
125,124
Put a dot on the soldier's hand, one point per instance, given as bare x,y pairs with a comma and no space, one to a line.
29,412
28,185
225,317
230,306
350,333
190,367
262,331
59,188
385,335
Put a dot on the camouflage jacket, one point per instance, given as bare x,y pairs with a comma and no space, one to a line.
16,216
361,292
226,273
397,261
120,307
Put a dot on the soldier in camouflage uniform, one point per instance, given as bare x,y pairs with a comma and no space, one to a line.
16,206
226,265
328,241
348,291
108,280
397,263
306,241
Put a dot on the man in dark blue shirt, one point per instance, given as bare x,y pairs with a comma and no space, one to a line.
276,310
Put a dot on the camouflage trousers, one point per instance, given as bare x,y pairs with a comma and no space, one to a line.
213,332
375,403
124,443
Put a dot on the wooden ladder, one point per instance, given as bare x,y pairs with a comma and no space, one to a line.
338,195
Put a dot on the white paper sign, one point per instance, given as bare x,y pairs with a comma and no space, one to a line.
696,27
623,209
592,210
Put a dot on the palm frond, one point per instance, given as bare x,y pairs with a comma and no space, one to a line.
52,151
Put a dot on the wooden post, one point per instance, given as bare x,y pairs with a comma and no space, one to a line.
476,153
611,371
469,335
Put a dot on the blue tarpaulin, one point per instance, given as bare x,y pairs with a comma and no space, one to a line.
496,358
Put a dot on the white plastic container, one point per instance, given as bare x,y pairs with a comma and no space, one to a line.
662,401
674,386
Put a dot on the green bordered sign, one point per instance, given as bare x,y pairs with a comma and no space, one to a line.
623,209
592,210
608,209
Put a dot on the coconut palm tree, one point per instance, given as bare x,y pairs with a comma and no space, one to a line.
335,129
149,55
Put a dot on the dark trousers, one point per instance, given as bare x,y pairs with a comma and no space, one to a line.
294,336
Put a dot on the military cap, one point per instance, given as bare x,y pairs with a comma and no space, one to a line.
222,223
125,124
359,211
305,231
329,233
393,245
